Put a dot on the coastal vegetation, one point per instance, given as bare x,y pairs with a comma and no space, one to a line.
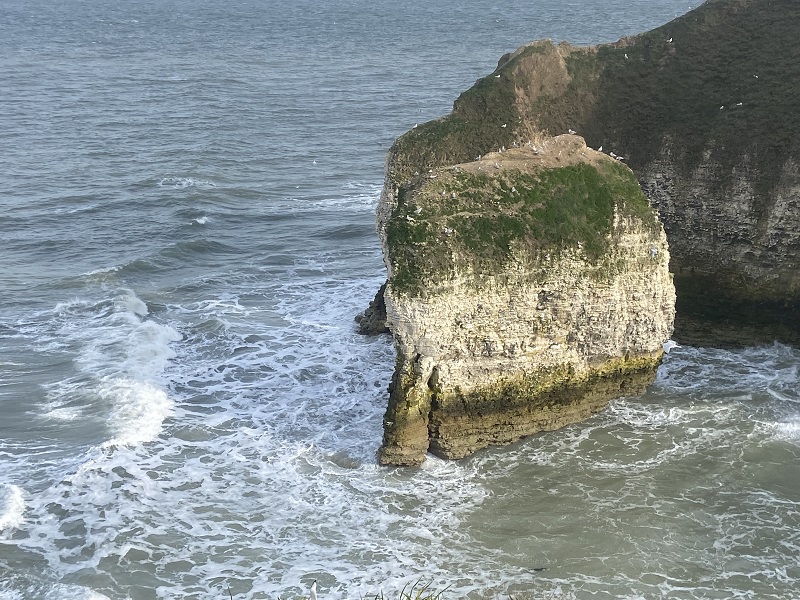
463,222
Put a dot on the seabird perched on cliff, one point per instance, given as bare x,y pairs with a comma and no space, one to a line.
571,131
669,41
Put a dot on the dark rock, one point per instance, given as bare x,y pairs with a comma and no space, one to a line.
373,320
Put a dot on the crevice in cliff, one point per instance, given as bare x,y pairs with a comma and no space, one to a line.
434,406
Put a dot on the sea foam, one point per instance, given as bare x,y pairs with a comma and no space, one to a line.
121,355
12,507
185,182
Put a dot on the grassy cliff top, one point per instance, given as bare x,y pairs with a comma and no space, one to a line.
721,83
474,218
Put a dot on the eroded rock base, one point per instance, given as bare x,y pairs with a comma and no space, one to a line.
453,424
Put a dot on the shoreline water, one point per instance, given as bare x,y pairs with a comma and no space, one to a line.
186,402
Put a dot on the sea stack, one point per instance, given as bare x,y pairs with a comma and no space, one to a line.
526,289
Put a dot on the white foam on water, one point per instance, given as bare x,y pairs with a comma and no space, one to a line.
58,410
12,507
787,431
185,182
687,369
102,272
265,476
650,417
200,220
7,594
355,197
138,410
133,304
120,355
73,592
271,452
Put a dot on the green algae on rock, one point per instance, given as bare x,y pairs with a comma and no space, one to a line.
525,291
469,219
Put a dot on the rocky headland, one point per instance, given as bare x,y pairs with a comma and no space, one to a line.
515,306
706,112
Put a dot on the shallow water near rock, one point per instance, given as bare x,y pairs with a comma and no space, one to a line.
188,195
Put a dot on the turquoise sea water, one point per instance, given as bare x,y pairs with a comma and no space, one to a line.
187,195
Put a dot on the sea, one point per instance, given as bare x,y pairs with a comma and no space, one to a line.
187,230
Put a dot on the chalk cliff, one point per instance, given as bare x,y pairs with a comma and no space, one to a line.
706,111
525,290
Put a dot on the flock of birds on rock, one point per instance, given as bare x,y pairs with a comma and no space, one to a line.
600,149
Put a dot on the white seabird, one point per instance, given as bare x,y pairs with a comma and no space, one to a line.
669,345
312,593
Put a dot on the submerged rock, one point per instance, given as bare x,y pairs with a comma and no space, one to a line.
705,111
526,289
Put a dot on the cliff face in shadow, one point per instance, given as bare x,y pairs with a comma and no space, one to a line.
706,111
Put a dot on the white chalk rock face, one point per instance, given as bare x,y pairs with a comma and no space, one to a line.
525,291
